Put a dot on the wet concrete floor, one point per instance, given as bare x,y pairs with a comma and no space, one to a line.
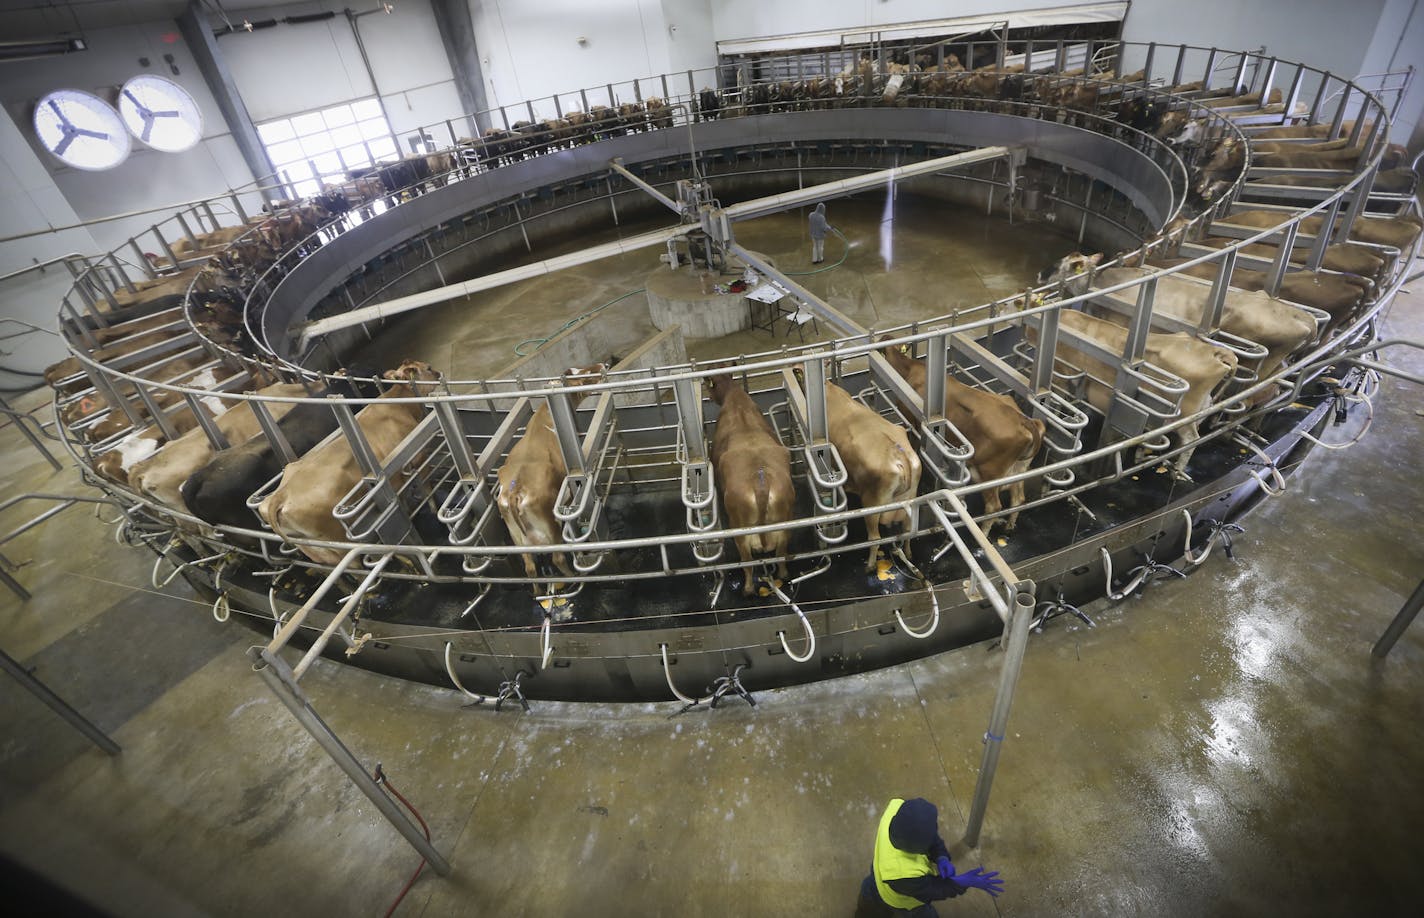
1222,745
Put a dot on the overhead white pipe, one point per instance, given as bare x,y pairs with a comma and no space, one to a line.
402,304
778,202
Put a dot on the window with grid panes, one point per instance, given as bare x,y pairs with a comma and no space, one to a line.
317,148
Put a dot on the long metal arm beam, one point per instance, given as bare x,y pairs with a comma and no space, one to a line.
778,202
402,304
617,166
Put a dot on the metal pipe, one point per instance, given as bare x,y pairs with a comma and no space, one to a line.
279,678
19,420
1017,629
336,621
58,705
290,628
617,166
1406,614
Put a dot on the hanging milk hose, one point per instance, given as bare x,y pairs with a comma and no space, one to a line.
1270,467
662,648
1363,394
929,589
450,670
1217,529
805,623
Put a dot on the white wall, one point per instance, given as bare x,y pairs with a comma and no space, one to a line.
290,69
530,51
761,18
29,202
1399,43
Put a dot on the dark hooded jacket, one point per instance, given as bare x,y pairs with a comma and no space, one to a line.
915,828
818,222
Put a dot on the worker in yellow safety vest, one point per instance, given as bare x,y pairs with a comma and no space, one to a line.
911,865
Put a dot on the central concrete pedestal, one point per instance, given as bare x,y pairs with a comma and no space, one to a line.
686,297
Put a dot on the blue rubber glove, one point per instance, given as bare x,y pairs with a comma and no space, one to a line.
946,869
978,878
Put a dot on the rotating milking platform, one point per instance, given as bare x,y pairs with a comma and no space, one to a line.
654,604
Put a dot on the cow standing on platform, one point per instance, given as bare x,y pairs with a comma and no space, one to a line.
882,466
160,477
531,477
217,492
1005,441
753,473
312,486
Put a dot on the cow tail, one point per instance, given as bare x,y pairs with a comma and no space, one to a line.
761,543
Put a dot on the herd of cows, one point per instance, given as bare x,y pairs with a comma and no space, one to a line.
214,460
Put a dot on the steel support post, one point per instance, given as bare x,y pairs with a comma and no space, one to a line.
1358,198
205,420
19,421
55,703
1340,106
561,410
156,412
187,230
123,275
279,678
1020,616
1210,67
197,32
1277,274
1406,614
1322,237
1320,92
275,438
936,368
141,259
1268,79
1041,380
163,244
1216,300
814,385
689,418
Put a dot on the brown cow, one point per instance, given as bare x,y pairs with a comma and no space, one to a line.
882,466
1343,256
1254,315
1202,366
1399,232
312,486
174,372
160,476
753,472
123,338
530,479
1338,294
1005,441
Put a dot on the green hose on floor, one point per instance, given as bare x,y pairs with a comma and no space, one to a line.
540,342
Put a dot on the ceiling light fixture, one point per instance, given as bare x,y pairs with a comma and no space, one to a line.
49,47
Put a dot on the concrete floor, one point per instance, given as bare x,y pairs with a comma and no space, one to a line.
1223,745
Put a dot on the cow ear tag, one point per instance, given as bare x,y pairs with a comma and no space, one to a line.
883,570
